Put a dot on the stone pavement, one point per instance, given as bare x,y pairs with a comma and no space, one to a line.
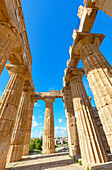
57,161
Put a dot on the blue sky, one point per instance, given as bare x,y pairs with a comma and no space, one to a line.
50,25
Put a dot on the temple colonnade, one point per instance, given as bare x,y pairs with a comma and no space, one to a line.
17,101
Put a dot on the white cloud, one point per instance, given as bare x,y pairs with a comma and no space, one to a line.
33,117
41,132
60,120
60,128
37,105
60,131
34,124
40,116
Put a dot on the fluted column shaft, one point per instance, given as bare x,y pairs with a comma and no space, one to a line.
72,132
91,145
102,133
8,109
99,75
20,127
28,129
48,135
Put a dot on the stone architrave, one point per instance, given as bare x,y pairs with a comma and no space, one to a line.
87,17
104,5
18,136
73,140
99,75
8,107
91,145
48,135
29,124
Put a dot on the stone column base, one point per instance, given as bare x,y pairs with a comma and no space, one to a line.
26,150
16,150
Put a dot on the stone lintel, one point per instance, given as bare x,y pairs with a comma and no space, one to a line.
81,39
50,94
71,72
87,17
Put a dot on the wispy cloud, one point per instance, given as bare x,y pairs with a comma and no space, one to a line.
53,88
37,105
40,116
60,120
60,128
34,124
60,131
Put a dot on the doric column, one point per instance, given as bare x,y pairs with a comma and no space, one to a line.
48,135
20,126
99,75
8,108
73,139
29,124
91,145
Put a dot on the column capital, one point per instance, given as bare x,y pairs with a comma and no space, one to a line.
27,87
81,39
66,88
72,73
18,69
33,99
49,100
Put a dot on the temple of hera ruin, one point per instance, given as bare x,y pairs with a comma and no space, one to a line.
89,129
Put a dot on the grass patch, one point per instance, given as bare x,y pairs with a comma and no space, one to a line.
80,162
70,156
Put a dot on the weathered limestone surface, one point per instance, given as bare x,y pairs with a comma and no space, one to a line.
20,127
102,133
99,75
8,108
28,128
104,5
91,145
72,132
48,135
87,17
5,50
50,94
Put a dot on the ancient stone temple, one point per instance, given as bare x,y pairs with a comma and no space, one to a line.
89,128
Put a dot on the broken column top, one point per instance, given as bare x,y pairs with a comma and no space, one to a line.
50,94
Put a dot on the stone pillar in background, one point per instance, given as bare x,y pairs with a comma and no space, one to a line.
91,145
99,75
8,108
73,140
29,124
20,127
48,135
